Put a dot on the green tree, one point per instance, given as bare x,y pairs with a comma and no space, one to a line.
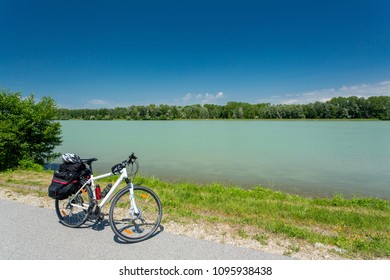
27,130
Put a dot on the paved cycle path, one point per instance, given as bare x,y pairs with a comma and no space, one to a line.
33,233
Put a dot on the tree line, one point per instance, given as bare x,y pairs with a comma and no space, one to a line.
375,107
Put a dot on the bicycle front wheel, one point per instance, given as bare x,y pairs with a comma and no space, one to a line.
73,211
130,226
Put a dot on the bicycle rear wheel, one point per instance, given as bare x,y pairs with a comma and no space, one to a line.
73,211
126,224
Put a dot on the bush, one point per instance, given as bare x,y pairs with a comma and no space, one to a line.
30,165
27,130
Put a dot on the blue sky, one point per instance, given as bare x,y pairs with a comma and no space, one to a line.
88,54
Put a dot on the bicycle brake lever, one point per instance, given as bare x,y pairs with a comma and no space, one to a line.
132,158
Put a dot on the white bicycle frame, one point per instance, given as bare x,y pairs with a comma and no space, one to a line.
122,177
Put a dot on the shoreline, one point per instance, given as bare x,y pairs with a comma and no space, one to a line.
234,120
292,190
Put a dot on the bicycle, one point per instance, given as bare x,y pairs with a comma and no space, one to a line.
135,212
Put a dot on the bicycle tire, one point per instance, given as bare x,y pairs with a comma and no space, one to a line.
73,212
130,229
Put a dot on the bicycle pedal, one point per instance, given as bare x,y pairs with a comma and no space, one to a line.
100,218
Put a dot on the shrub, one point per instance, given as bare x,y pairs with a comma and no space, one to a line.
27,130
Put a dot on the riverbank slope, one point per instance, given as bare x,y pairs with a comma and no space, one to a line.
258,218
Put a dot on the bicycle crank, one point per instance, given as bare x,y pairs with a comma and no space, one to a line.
95,212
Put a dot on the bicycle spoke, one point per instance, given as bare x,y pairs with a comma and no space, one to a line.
73,212
130,226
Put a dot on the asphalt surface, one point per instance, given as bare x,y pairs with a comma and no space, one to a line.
33,233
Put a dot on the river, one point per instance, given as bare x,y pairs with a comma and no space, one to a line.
316,158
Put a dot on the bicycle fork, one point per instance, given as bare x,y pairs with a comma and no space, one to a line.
134,211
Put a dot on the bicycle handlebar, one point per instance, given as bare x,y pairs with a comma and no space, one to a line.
118,167
132,158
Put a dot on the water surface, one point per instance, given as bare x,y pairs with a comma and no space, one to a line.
306,157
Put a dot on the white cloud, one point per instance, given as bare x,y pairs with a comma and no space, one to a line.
362,90
187,97
291,101
219,94
206,98
99,102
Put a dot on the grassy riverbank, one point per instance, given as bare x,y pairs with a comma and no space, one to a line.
353,228
359,227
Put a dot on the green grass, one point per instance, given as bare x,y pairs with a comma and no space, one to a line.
360,227
261,238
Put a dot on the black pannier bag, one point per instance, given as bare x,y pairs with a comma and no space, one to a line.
66,181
